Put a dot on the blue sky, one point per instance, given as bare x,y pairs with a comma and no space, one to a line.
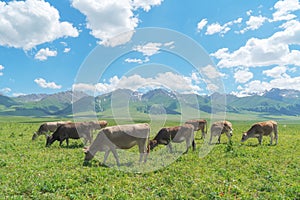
255,45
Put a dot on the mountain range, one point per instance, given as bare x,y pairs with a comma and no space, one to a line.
157,101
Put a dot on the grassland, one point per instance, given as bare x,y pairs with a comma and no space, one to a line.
29,170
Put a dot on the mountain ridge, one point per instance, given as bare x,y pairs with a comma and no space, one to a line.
158,101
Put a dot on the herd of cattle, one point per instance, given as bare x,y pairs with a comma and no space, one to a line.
126,136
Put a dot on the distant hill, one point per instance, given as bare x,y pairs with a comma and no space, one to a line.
158,101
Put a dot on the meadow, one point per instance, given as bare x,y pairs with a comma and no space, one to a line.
29,170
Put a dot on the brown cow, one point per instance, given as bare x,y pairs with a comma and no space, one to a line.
261,129
74,131
199,124
48,127
120,137
220,127
176,134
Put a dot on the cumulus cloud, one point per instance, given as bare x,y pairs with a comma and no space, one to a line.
137,60
243,76
5,90
146,4
201,24
284,9
211,72
43,54
276,72
176,82
148,49
67,50
279,79
26,24
222,29
254,23
274,50
109,18
1,68
44,84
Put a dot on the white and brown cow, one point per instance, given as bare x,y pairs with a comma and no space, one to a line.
120,137
48,127
220,127
199,124
260,129
176,134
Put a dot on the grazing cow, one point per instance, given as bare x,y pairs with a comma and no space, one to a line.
199,124
261,129
48,127
120,137
73,131
220,127
176,134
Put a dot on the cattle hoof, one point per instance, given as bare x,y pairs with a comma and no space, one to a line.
86,163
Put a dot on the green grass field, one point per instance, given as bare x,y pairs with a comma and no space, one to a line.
29,170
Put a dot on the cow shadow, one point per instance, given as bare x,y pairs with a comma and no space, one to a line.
73,146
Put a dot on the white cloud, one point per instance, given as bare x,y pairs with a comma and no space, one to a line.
243,76
18,94
43,54
222,29
149,49
1,68
254,23
5,90
284,9
265,52
137,60
26,24
201,24
249,12
67,50
276,72
146,4
280,79
211,72
44,84
216,28
110,18
169,80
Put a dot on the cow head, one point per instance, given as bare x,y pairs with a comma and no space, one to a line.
88,155
152,144
227,128
35,135
244,137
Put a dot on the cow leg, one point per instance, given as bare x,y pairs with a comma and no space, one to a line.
67,141
60,142
203,134
271,138
259,138
276,134
219,139
210,139
170,147
105,156
194,145
116,156
143,151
